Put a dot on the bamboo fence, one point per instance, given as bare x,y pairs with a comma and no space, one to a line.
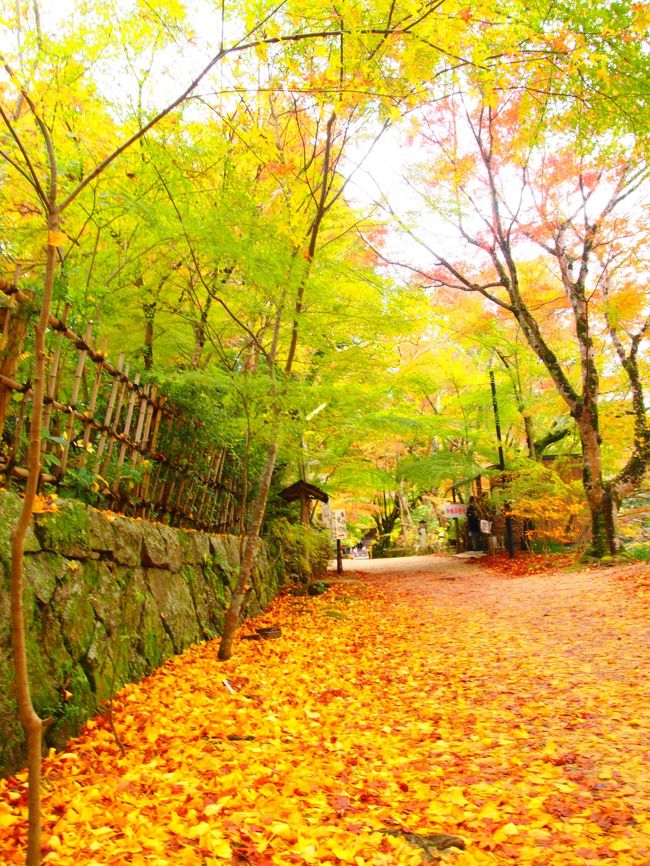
108,438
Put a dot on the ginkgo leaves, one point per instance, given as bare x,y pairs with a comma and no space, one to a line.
511,714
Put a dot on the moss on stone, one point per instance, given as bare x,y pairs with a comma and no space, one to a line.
128,541
106,595
97,664
72,607
154,644
133,594
65,531
100,532
10,508
5,613
77,705
175,608
302,550
46,673
12,741
223,559
43,572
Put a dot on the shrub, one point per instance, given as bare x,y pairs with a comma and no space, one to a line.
304,551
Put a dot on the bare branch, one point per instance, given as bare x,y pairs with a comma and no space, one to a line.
32,177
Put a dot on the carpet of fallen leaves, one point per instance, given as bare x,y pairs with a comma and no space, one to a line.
513,714
527,563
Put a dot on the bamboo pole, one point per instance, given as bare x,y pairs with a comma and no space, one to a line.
110,409
92,404
52,383
74,396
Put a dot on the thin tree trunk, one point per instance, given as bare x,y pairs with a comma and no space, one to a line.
31,722
408,529
149,312
239,594
241,590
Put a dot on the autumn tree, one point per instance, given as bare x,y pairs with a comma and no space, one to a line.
356,83
509,194
306,146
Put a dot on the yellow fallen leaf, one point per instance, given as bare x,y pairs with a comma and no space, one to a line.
284,831
152,733
620,845
7,819
455,796
501,834
220,848
489,811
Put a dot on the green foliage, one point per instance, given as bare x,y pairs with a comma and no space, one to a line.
430,471
83,483
191,254
638,551
200,395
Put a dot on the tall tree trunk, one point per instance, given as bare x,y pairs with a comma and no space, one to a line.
408,529
385,519
604,528
601,499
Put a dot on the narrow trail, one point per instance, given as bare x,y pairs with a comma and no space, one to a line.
556,668
416,697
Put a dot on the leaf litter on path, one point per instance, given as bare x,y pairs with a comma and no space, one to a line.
512,715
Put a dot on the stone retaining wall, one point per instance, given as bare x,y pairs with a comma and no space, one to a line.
107,600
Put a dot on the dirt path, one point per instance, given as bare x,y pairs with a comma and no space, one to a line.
587,616
415,697
555,668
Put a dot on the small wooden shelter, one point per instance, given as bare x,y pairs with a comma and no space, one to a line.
304,492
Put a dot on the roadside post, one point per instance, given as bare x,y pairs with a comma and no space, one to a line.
340,530
335,520
455,510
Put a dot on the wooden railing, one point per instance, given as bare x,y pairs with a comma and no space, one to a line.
106,437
